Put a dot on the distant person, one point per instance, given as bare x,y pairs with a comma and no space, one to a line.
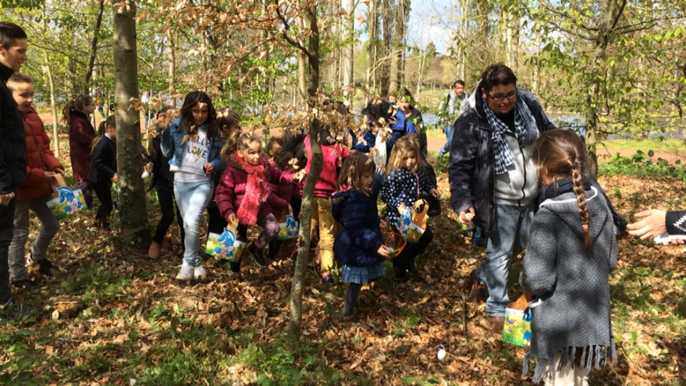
569,257
81,134
13,48
450,109
493,181
407,105
41,168
103,170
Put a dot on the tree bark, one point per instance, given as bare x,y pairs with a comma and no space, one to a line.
53,104
373,22
316,165
94,47
348,53
171,51
133,211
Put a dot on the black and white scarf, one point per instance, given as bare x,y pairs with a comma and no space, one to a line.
526,132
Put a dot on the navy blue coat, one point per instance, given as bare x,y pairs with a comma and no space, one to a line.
361,237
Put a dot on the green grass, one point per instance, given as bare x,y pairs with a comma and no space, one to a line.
660,144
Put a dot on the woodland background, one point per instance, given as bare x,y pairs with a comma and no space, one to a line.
112,317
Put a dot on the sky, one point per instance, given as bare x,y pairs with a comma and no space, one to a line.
430,21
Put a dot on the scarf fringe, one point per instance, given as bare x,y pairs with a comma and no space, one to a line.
592,356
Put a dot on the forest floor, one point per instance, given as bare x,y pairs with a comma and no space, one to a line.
111,316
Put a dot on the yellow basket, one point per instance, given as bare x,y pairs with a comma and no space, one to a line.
396,241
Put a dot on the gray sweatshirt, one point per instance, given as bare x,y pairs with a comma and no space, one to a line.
573,285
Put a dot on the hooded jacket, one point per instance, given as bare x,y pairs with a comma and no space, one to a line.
572,284
471,166
13,143
39,159
81,135
230,193
361,237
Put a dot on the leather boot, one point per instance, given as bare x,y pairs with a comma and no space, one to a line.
154,250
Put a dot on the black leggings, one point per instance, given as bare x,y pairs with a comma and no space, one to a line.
216,223
411,251
104,193
166,198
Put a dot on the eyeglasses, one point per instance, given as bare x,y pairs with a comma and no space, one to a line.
500,98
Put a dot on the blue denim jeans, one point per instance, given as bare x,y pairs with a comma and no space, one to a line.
448,130
510,236
192,199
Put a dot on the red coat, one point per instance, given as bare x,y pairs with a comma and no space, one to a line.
231,190
81,136
39,159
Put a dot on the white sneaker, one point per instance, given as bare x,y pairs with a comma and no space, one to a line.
199,273
186,272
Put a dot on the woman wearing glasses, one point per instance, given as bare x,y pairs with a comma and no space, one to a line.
493,182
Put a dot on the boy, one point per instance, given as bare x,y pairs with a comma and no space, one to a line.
35,191
12,159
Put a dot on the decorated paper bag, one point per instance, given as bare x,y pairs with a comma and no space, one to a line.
226,245
65,201
288,226
412,222
517,327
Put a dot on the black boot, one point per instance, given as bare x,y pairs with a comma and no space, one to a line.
258,254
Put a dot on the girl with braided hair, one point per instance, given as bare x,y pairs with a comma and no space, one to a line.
571,251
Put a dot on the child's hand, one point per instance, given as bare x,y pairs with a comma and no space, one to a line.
148,167
299,175
6,198
208,168
231,218
383,224
114,177
402,208
383,251
434,192
467,215
59,171
49,177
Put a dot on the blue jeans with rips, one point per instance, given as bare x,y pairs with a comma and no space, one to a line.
510,237
448,130
192,199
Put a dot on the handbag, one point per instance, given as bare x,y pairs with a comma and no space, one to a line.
517,326
412,222
225,245
288,226
65,201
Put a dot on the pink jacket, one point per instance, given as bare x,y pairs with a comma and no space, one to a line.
231,190
333,156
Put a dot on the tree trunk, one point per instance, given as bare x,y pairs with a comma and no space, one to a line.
94,48
302,65
171,51
383,71
53,104
133,212
348,53
316,165
536,81
372,21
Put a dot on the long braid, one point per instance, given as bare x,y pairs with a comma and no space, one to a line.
581,201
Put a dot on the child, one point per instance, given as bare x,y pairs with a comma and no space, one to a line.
81,134
243,193
359,246
103,170
281,195
35,191
571,251
228,122
193,143
333,153
163,182
275,145
405,182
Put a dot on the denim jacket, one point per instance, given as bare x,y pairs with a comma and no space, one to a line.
172,146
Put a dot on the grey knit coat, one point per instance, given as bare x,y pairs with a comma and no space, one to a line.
573,317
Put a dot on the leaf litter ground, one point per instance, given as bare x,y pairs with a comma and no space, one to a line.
112,316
